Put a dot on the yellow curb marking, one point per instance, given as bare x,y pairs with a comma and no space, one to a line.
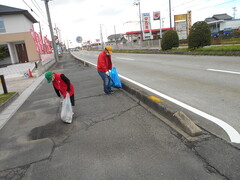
155,99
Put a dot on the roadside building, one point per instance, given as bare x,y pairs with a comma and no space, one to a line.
114,39
15,25
222,24
135,36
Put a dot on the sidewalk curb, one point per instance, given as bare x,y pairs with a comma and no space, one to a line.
9,101
172,117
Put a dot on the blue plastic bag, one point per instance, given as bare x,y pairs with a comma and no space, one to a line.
114,79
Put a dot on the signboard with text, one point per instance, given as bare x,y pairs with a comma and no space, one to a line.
182,24
156,15
181,28
146,26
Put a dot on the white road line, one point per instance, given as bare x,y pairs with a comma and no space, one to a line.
224,71
128,59
84,60
232,133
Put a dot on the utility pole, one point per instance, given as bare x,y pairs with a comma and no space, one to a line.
160,35
59,42
137,3
51,30
101,36
170,14
57,32
115,35
234,12
67,44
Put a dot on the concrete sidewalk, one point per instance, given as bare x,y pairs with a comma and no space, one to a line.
17,70
112,137
17,81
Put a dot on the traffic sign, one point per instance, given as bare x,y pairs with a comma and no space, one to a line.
79,39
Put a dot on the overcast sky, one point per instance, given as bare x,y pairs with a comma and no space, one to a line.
83,17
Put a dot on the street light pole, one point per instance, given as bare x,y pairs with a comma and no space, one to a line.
160,35
139,6
115,36
170,14
51,30
101,36
140,18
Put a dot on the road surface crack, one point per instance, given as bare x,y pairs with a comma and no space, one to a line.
92,122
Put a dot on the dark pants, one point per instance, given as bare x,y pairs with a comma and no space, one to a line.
106,82
72,100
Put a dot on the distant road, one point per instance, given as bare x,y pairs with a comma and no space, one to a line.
208,85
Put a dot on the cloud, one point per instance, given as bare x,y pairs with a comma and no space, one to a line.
79,20
109,12
64,2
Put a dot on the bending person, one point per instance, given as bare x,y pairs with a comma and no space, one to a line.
61,84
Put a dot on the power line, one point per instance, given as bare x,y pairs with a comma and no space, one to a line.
28,5
41,12
225,2
44,18
37,6
183,4
197,9
216,5
44,21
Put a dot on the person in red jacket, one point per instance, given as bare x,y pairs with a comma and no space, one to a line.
104,64
61,84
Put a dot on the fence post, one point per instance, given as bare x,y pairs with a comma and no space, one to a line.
3,84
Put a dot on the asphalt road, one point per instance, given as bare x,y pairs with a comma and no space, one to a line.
205,85
111,137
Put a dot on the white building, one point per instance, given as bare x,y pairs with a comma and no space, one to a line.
15,25
221,23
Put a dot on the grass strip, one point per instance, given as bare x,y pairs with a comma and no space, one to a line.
220,48
5,97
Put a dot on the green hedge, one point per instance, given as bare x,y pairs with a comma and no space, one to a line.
170,39
199,35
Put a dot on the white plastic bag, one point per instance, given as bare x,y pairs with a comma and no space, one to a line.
67,112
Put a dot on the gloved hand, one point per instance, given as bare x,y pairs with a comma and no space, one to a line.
107,73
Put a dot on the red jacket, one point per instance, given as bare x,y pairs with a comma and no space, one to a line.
104,62
61,86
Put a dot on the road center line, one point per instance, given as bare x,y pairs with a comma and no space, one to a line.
232,133
224,71
128,59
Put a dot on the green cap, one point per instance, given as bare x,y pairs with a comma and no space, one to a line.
48,76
